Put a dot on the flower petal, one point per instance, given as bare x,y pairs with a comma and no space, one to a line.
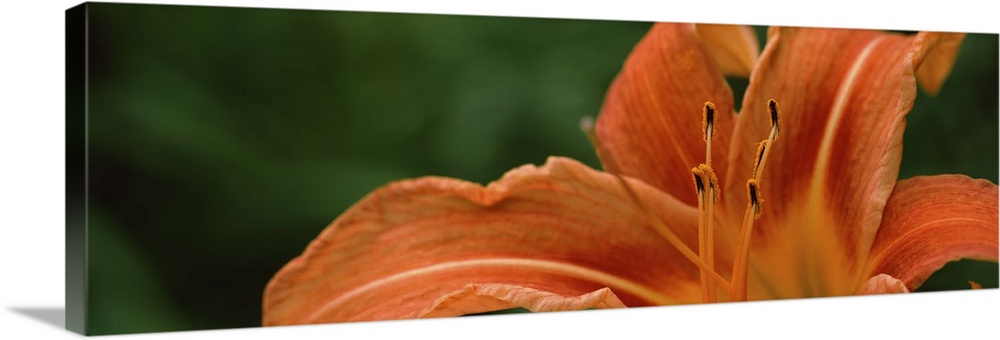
930,221
651,122
843,95
489,297
734,47
562,229
882,284
939,57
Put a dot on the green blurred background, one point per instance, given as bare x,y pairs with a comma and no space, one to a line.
222,140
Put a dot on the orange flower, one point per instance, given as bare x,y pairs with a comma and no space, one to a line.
813,210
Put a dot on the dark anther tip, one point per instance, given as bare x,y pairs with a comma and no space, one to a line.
710,112
753,192
772,107
699,182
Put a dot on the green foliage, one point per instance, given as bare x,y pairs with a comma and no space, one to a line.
222,140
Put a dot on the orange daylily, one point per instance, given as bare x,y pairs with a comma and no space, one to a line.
827,217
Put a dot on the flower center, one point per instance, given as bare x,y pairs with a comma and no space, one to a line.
703,172
707,187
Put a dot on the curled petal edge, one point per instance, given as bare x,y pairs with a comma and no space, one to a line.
734,47
406,245
937,55
932,220
479,298
882,284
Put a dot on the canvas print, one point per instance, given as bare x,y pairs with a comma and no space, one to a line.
240,167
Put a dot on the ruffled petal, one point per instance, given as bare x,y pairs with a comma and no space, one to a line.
563,230
734,47
930,221
490,297
651,122
843,96
939,53
882,284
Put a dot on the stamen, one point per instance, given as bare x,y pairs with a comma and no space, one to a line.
741,264
708,120
708,128
702,173
753,192
706,237
704,232
764,146
699,182
709,230
699,186
672,238
713,182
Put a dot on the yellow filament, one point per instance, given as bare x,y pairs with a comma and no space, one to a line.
742,263
587,126
707,196
672,238
702,239
710,243
704,233
710,240
710,235
706,240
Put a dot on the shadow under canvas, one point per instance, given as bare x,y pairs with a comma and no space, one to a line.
54,316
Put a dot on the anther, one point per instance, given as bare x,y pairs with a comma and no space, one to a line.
772,108
713,181
702,174
705,180
753,191
699,182
707,129
708,120
764,146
